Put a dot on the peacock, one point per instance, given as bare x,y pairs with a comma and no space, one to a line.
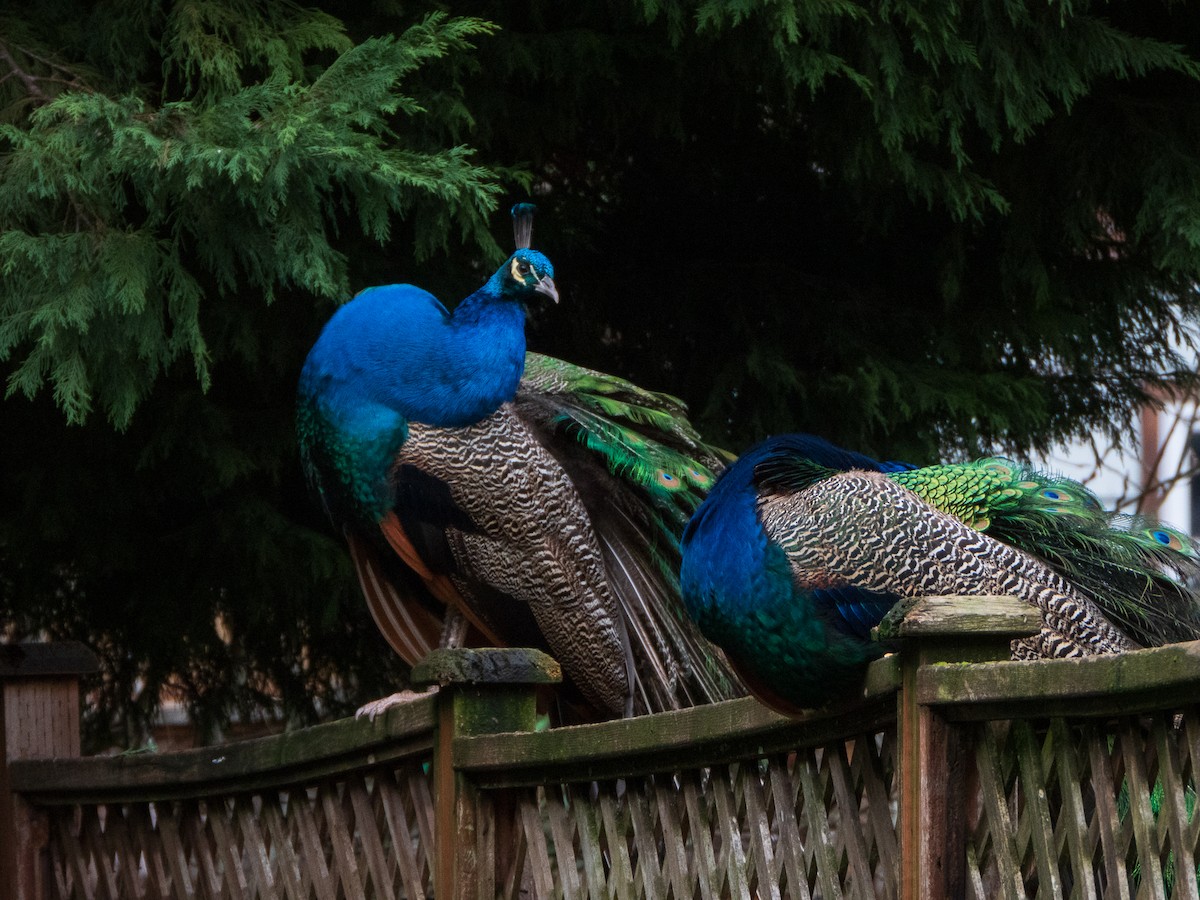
801,547
494,496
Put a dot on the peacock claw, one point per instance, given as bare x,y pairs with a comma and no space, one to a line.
373,708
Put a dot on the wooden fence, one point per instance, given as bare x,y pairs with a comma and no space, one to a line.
956,776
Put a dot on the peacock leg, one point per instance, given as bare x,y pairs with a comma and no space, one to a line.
454,630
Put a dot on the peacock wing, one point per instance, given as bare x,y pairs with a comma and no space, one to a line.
863,530
490,510
640,470
831,552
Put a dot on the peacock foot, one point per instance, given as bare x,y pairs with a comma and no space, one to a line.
383,704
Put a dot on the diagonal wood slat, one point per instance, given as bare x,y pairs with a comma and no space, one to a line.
339,838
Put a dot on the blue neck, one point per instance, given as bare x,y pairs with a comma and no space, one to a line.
724,547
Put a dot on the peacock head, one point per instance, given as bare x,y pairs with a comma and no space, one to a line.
526,273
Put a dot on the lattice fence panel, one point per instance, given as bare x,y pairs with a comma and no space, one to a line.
818,823
1085,808
364,836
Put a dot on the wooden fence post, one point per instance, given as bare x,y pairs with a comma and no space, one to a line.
487,691
933,754
39,718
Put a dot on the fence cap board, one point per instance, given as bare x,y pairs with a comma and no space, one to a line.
271,761
960,617
490,665
35,660
667,742
1112,684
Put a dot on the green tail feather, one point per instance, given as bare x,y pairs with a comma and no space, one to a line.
1139,571
643,436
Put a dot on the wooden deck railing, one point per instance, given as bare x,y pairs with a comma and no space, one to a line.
955,776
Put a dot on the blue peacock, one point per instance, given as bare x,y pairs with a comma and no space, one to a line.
495,496
802,547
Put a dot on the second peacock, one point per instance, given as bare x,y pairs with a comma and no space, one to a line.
802,547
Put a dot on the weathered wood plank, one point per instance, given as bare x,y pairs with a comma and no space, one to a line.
1191,739
489,665
650,872
666,742
587,826
675,859
815,813
513,884
791,848
1173,815
535,840
343,860
731,858
975,888
620,876
758,826
1104,782
117,828
177,863
1037,810
851,827
287,864
423,812
995,802
1142,816
411,872
96,849
76,863
313,850
367,828
868,760
36,660
1120,684
704,857
229,859
963,618
257,764
256,860
207,865
1072,816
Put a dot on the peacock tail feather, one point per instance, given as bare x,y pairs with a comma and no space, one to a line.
644,437
1142,573
648,470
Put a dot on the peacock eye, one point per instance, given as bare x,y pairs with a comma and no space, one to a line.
523,267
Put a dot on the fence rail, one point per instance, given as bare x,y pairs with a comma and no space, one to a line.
956,776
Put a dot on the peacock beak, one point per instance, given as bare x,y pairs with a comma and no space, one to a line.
546,286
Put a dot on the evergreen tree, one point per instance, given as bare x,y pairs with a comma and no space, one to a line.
918,228
183,190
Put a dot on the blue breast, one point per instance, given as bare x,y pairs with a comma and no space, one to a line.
398,347
391,357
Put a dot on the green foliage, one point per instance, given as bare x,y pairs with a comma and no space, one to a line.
124,219
171,237
975,230
918,228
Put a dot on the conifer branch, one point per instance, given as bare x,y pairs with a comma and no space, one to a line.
33,83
